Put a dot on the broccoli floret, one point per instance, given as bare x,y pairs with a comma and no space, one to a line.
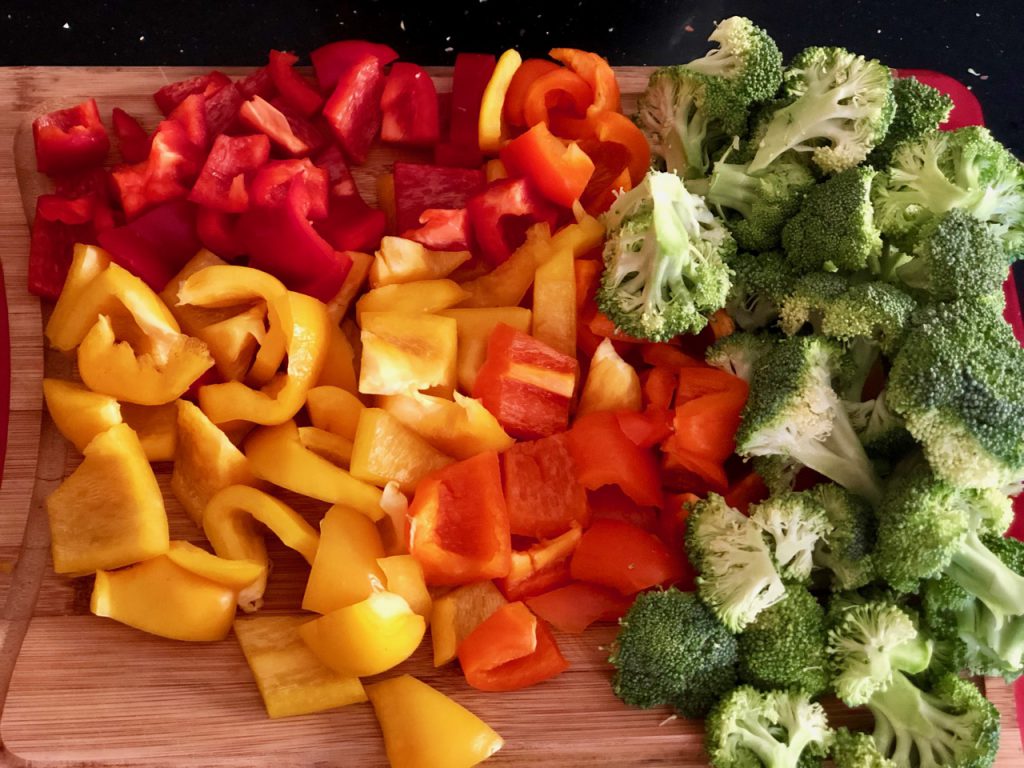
881,432
739,353
842,108
957,382
775,729
670,649
942,170
957,255
778,472
875,311
785,646
919,109
760,282
853,749
664,260
846,552
793,524
807,298
793,411
834,228
858,361
757,206
737,577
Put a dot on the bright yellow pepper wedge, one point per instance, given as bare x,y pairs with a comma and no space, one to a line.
236,574
108,513
340,365
156,426
394,525
276,454
234,341
327,445
366,638
423,728
492,129
79,413
338,307
87,262
290,678
404,261
554,303
417,296
507,283
458,613
579,238
385,450
191,318
406,353
228,522
460,428
162,598
404,576
280,399
612,384
334,409
474,329
345,570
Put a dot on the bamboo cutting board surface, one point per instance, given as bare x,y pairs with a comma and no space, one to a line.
79,690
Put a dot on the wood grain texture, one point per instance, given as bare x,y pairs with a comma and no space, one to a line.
78,690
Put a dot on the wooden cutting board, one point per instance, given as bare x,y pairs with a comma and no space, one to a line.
79,690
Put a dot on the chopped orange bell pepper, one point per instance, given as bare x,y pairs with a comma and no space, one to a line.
345,570
406,353
334,409
412,297
596,72
456,614
474,328
515,96
542,494
492,129
558,89
156,426
461,428
541,567
494,170
615,128
385,450
574,607
604,455
622,556
612,384
400,260
79,413
560,172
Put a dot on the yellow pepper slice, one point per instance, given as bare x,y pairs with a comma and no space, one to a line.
327,445
87,262
458,613
156,426
276,454
492,129
579,238
345,570
236,574
340,364
404,261
461,428
554,303
404,576
423,728
191,318
385,450
507,283
612,384
162,598
474,329
334,409
108,513
366,638
234,341
338,307
406,352
393,526
79,413
417,296
291,679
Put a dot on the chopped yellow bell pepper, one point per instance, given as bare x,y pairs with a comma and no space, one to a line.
236,574
423,728
385,450
276,454
404,576
291,679
192,318
458,613
234,341
338,307
334,409
156,426
367,638
162,598
228,522
494,170
406,353
87,262
417,296
612,384
394,525
108,513
492,128
461,428
345,570
507,283
554,303
327,445
340,364
579,238
205,462
474,329
79,413
386,199
404,261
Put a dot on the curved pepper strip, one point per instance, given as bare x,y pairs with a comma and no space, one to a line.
229,523
87,262
559,85
492,127
595,71
515,95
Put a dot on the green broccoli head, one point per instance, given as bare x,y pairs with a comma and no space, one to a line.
775,729
847,551
664,260
956,255
785,646
739,353
835,228
957,382
804,305
760,282
853,749
794,412
942,170
670,649
793,524
842,107
875,311
737,577
919,109
778,472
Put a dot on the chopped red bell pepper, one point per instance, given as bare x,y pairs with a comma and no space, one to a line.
663,354
515,96
295,91
331,60
469,79
353,110
510,650
672,530
543,566
526,384
500,214
156,245
260,115
457,155
966,107
610,176
749,490
648,427
219,232
577,605
442,229
352,225
409,107
131,136
222,108
257,83
689,472
596,72
702,380
313,132
339,178
66,210
272,184
543,497
609,502
604,455
169,172
191,113
458,523
706,425
659,387
171,95
420,186
232,161
70,140
622,556
59,223
558,172
95,181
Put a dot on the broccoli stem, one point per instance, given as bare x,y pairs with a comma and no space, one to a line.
981,573
731,187
1003,639
840,457
912,656
759,740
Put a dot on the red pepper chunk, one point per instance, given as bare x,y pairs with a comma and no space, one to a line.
501,213
222,182
544,566
442,229
70,139
509,651
622,556
543,497
470,76
332,60
409,107
420,186
219,232
352,225
272,184
575,606
260,115
295,91
353,110
604,455
526,384
559,172
458,523
172,94
191,115
131,136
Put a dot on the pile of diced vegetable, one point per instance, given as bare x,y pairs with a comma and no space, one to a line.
578,328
